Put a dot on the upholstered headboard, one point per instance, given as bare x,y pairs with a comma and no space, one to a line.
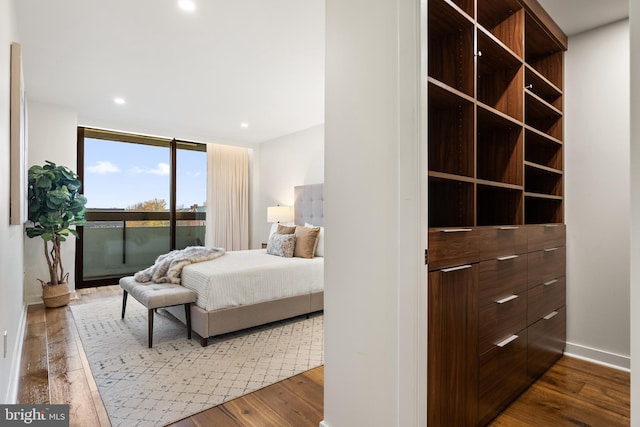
309,204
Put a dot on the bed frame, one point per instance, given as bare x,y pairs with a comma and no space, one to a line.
308,207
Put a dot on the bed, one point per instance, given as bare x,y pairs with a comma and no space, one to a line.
248,288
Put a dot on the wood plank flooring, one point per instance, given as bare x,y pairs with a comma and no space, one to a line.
55,370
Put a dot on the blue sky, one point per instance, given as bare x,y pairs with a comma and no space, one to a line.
118,175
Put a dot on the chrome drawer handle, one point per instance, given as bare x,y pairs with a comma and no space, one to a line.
504,258
507,299
507,341
550,315
460,267
456,230
551,249
508,228
551,225
550,282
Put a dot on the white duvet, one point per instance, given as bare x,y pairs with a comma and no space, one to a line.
247,277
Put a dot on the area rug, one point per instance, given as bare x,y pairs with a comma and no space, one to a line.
177,377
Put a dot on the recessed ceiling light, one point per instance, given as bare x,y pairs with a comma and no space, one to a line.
187,5
119,101
244,124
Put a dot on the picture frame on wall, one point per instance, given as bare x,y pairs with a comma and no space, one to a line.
18,166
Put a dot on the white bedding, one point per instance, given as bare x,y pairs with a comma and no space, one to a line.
248,277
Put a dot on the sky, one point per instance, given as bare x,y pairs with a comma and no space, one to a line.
119,175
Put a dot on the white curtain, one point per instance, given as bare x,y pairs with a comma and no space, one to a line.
227,197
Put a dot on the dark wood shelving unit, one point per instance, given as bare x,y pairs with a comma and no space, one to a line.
505,20
496,204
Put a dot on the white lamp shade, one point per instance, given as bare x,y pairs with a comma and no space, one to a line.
279,214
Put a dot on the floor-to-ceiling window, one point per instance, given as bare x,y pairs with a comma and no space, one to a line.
146,196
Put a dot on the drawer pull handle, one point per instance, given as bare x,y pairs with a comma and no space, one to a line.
551,225
550,282
507,341
456,230
507,299
550,315
551,249
508,228
504,258
460,267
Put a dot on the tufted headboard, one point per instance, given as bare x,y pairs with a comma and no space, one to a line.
309,204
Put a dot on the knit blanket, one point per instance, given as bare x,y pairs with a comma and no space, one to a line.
168,267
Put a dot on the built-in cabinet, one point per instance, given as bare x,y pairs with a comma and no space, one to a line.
496,248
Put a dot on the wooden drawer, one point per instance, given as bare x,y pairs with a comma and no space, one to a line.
500,277
545,298
502,241
545,236
546,342
503,376
545,265
453,346
453,246
500,320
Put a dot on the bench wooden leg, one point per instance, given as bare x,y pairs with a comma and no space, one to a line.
124,302
204,341
187,313
150,327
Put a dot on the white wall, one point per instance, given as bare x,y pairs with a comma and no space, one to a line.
52,134
597,194
12,309
374,280
285,162
634,17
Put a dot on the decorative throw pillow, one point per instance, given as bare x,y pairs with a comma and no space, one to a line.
306,241
281,245
320,245
285,229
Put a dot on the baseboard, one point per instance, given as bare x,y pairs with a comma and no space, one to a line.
600,357
14,377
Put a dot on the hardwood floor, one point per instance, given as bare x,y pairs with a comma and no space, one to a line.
55,370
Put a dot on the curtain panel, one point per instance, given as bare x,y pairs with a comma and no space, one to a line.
227,223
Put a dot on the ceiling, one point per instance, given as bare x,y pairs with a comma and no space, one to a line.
200,75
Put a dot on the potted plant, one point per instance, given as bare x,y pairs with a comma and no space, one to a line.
55,205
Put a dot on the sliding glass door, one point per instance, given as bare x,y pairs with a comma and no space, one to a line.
146,196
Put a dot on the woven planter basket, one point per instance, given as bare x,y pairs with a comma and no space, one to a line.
56,295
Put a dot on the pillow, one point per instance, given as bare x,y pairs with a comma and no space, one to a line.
285,229
275,225
281,245
306,241
320,246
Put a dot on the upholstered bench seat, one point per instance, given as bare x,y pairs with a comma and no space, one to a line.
157,295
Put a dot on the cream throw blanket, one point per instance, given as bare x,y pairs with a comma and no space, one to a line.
168,267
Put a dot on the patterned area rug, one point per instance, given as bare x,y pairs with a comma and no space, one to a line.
177,378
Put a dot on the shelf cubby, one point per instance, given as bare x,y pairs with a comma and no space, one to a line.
451,47
499,148
542,52
542,180
505,20
450,132
542,116
467,6
543,151
500,77
499,206
451,202
542,210
543,88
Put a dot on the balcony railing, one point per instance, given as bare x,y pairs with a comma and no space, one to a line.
117,243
